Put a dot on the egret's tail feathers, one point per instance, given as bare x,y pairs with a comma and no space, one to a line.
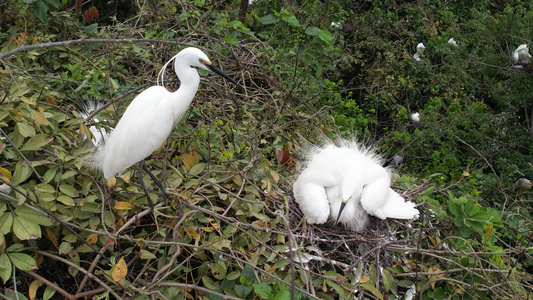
398,208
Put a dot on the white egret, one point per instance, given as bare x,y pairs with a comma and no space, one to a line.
521,185
415,117
99,134
150,118
419,51
335,25
453,42
345,185
521,55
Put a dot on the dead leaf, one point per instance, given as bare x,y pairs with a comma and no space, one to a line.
120,270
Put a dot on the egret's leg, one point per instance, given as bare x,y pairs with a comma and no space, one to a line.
141,181
161,187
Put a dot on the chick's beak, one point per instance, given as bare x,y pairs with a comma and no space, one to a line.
219,72
343,204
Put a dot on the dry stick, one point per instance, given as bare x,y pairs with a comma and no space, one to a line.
70,264
51,284
198,288
21,155
88,41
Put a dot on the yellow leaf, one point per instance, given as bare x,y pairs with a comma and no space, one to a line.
192,233
52,237
207,229
122,205
189,160
237,179
431,277
113,83
32,293
432,240
275,175
120,270
51,100
259,224
92,238
5,174
364,279
40,119
112,181
27,100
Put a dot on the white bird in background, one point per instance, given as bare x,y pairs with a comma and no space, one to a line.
345,185
415,117
521,55
419,51
453,42
335,25
99,134
150,118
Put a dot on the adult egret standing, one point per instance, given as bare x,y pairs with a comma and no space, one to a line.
419,51
521,55
345,185
150,118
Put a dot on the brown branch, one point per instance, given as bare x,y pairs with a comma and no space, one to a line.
87,41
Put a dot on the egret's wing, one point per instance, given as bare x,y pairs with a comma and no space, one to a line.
374,197
398,208
312,199
143,128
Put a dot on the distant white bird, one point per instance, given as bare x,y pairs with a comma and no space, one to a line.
150,118
419,51
521,55
453,42
99,134
345,185
335,25
415,117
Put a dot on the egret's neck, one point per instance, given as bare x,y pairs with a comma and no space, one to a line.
182,98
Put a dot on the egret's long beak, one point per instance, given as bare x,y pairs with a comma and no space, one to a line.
343,204
219,72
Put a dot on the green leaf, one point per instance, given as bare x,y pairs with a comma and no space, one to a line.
40,10
197,169
37,142
147,254
91,28
268,20
45,188
243,290
388,280
371,288
218,271
263,290
26,229
66,200
22,172
231,39
69,190
326,37
6,221
312,30
25,130
23,261
209,283
49,292
30,214
454,209
5,267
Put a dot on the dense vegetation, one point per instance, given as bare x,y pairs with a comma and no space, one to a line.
229,222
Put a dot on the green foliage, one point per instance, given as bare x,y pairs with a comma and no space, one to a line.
228,220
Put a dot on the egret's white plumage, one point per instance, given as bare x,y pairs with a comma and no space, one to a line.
419,51
352,175
152,115
521,54
99,134
453,42
415,117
